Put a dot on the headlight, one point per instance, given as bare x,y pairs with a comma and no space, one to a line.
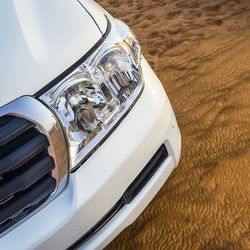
95,96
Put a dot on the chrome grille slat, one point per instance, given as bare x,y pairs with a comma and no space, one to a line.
23,154
30,197
10,130
26,177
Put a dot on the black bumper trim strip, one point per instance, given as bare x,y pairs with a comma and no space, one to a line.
131,192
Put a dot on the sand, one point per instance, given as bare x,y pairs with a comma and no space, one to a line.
201,52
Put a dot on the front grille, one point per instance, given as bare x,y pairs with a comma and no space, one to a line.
26,167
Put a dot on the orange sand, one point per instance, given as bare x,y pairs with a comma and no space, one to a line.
201,52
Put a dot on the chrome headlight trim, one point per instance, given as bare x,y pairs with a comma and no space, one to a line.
120,40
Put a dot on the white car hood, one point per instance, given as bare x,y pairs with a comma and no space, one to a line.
40,39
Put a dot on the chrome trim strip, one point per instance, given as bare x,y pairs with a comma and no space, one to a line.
32,110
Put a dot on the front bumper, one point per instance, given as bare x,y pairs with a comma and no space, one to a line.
96,187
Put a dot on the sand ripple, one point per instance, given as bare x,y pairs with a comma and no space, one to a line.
201,52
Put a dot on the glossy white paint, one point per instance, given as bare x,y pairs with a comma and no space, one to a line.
97,12
39,41
94,189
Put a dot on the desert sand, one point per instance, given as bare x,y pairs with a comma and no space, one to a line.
201,52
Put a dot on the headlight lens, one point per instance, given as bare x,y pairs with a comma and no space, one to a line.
97,94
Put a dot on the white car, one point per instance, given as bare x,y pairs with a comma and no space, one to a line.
87,133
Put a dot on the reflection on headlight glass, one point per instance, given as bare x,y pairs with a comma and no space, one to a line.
95,96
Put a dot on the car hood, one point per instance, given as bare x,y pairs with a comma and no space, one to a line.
40,40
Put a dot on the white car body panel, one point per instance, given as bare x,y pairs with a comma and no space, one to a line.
97,12
39,44
41,40
95,187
